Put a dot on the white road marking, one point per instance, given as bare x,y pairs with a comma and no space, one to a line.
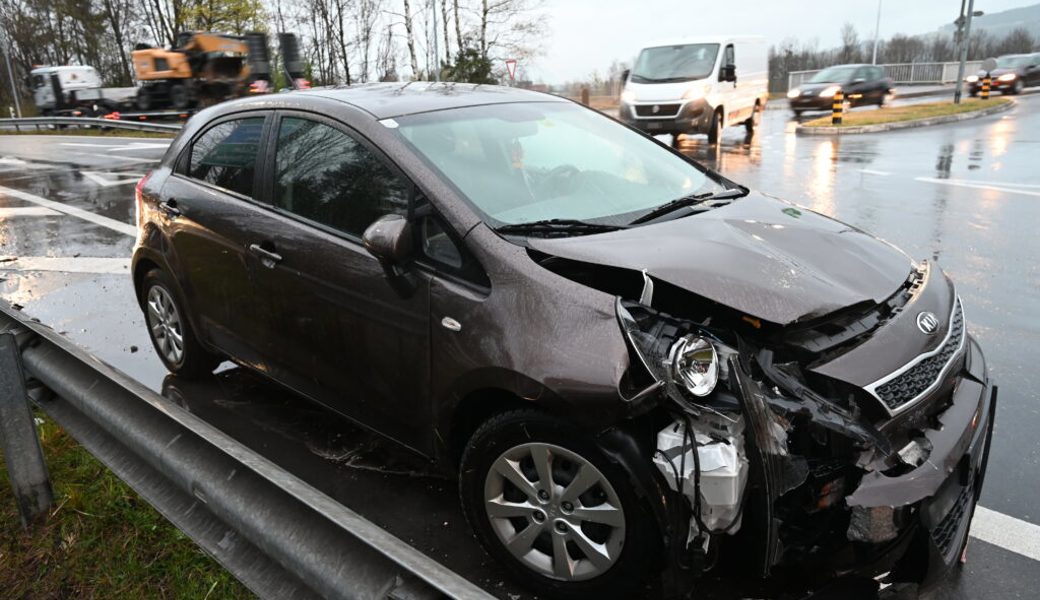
873,172
86,215
104,266
105,179
982,186
1006,532
26,211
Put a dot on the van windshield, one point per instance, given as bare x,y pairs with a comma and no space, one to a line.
668,64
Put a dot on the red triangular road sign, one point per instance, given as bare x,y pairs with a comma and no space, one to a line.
511,67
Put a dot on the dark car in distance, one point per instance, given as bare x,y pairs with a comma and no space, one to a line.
637,369
1014,73
860,84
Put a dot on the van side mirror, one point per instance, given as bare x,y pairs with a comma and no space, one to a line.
625,74
728,73
390,240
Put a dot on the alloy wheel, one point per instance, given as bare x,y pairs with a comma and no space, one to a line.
554,511
164,324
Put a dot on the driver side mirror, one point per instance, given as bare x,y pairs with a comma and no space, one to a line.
728,73
390,240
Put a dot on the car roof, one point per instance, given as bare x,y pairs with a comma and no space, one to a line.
705,39
386,100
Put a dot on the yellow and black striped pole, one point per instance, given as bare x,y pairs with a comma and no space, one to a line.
985,87
838,107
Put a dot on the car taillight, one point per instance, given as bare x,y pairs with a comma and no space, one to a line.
139,198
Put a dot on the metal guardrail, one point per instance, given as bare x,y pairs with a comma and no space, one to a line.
278,535
904,73
39,122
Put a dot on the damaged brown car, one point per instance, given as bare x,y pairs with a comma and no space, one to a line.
642,373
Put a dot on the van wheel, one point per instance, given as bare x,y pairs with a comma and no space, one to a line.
546,502
170,331
715,130
752,123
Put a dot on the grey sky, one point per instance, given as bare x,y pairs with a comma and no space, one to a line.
588,34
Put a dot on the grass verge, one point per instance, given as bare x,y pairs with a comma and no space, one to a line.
88,131
907,112
101,540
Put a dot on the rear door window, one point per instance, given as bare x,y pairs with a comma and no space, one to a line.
326,176
225,155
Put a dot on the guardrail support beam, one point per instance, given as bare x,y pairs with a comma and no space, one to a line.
22,451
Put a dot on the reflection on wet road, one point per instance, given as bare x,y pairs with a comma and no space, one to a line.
966,195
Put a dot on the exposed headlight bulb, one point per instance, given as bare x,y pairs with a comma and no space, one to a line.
694,364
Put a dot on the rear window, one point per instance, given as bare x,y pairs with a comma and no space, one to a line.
225,156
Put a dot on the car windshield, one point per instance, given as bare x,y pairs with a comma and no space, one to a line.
685,62
1010,62
834,75
525,162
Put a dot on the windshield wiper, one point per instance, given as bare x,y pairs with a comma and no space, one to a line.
691,200
548,226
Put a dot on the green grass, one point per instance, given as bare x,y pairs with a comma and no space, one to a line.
908,112
88,131
100,541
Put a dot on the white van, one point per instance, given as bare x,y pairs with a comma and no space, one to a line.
697,85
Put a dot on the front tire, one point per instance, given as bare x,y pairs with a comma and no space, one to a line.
547,504
715,129
1017,87
171,333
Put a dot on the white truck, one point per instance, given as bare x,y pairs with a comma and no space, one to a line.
699,84
76,89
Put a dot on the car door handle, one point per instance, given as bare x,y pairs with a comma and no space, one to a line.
267,258
169,208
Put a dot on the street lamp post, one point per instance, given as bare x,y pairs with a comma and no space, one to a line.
877,33
10,73
965,40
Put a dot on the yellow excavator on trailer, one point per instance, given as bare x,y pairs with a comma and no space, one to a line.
201,68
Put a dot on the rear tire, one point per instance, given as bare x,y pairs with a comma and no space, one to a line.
752,123
170,330
715,129
1017,87
606,555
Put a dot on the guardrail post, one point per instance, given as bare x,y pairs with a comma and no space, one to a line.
22,452
837,107
585,96
985,87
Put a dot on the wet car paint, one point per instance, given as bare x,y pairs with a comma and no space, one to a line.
741,157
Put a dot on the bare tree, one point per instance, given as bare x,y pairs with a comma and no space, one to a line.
849,43
458,25
444,20
410,40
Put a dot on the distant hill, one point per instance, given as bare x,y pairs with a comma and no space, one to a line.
999,24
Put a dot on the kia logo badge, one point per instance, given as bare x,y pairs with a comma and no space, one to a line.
928,323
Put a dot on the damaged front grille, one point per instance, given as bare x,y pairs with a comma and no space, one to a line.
907,387
945,534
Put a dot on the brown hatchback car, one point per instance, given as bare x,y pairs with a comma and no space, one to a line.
640,372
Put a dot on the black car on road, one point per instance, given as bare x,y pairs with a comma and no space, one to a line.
634,367
860,84
1014,73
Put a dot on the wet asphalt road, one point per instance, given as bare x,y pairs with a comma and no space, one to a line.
966,195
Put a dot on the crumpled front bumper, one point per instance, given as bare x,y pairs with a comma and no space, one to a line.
942,492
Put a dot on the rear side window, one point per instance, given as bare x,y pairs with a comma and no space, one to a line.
324,175
225,156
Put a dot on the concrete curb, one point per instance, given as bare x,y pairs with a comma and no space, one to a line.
880,127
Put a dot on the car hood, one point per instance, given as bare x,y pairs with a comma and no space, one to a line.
815,87
998,72
764,257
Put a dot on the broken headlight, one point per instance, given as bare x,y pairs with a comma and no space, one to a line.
694,364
